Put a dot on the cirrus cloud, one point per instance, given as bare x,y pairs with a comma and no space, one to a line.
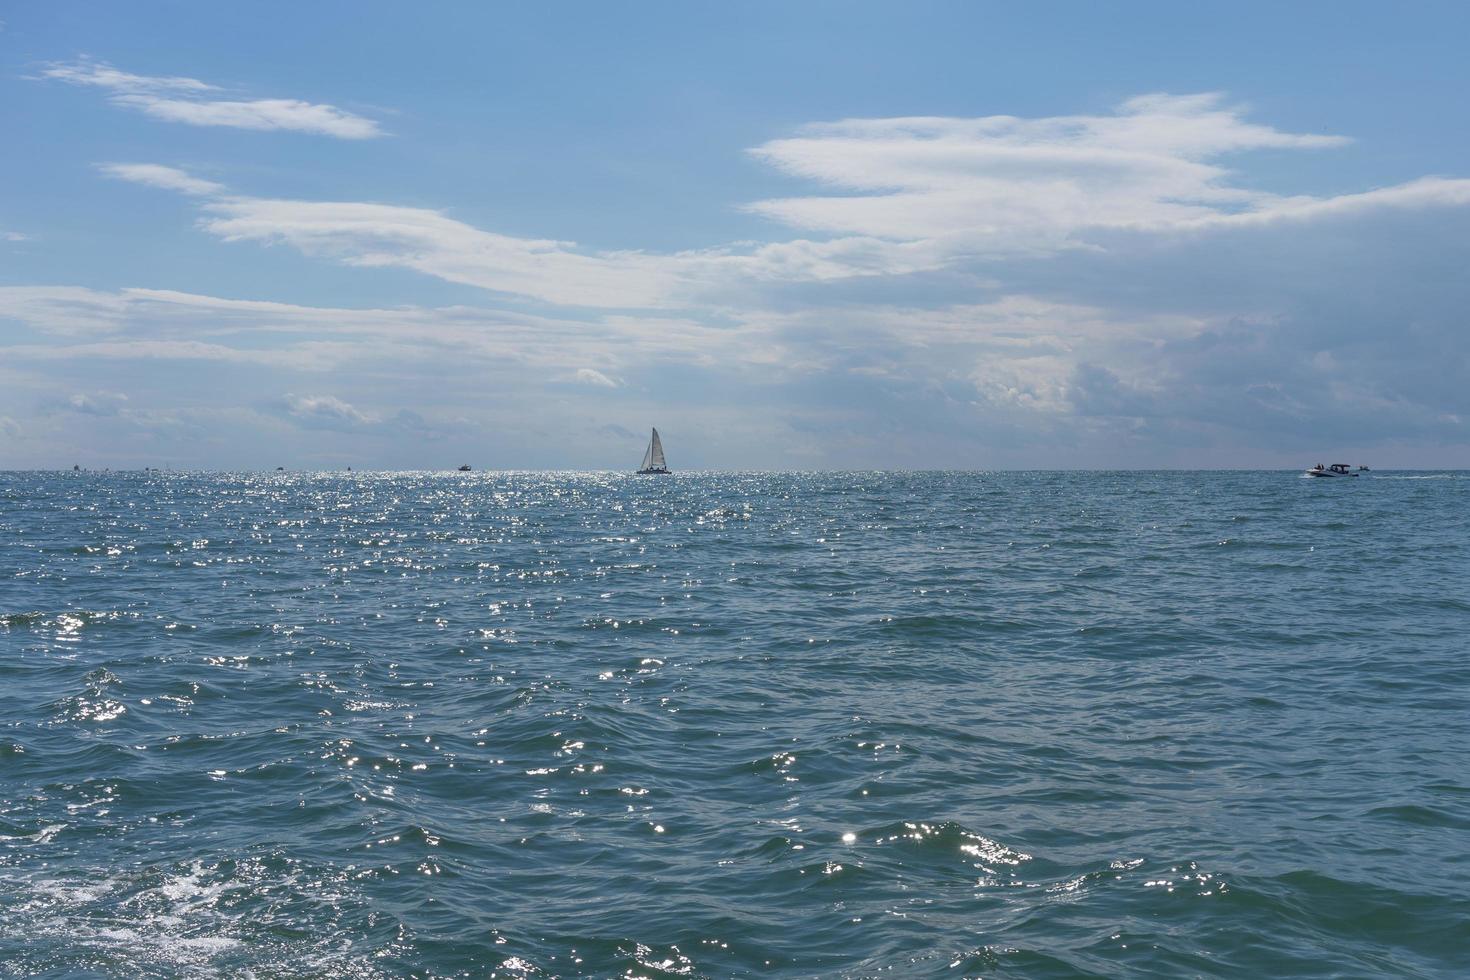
164,178
191,101
910,196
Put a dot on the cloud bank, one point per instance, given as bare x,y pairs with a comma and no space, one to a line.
1103,290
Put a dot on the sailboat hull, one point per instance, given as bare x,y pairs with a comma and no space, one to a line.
653,472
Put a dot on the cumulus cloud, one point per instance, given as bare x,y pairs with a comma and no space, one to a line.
191,101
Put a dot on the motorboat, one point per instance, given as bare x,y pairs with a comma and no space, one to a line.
465,468
1336,469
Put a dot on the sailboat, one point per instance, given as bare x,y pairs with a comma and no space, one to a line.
653,459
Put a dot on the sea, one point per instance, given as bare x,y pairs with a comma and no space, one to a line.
979,724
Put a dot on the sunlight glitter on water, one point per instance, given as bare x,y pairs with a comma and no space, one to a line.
743,725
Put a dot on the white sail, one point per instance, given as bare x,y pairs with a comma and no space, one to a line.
653,459
656,450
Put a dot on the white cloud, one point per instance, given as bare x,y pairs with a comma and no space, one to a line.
997,291
428,241
1426,192
1000,185
189,100
102,75
157,175
102,403
14,236
149,324
374,235
331,413
65,310
1016,380
917,195
261,114
325,407
588,376
173,350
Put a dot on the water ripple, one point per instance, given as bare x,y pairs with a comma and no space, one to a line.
539,725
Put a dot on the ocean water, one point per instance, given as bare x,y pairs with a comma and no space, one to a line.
757,725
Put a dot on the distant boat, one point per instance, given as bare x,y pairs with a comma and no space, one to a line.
1336,469
653,459
465,468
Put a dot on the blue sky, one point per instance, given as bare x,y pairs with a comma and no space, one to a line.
789,234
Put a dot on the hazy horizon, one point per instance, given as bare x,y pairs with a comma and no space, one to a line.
606,471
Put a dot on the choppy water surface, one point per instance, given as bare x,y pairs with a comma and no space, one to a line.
1013,725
